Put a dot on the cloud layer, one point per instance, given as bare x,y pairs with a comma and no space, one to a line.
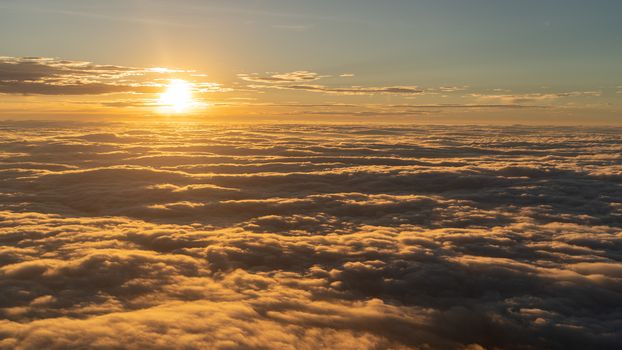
52,76
48,76
305,237
43,87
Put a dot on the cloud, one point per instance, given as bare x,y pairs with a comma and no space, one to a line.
291,77
134,90
354,90
409,109
309,236
372,112
535,97
284,82
47,88
51,76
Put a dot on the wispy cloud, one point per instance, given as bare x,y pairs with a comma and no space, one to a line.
353,90
291,77
535,97
283,81
51,76
135,89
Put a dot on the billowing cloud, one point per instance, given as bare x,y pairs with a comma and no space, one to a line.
301,237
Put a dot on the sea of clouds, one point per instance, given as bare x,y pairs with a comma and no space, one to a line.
196,236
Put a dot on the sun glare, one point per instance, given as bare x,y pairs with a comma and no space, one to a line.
177,98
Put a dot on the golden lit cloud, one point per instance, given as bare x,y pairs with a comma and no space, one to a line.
40,87
310,175
308,236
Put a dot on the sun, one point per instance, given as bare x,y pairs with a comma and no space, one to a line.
177,98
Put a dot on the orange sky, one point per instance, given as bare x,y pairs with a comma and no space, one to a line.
422,61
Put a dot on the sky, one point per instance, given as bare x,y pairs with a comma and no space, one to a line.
458,61
304,175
